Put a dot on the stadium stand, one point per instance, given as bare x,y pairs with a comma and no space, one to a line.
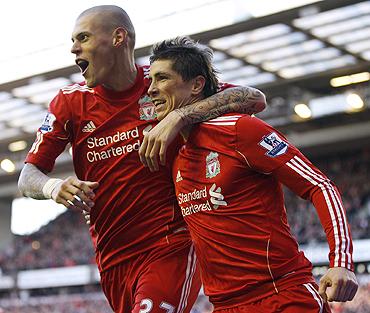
81,303
350,171
361,303
63,242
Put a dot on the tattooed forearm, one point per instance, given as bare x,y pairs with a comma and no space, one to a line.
31,181
246,100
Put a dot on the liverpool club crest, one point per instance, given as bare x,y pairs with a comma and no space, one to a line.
212,165
147,109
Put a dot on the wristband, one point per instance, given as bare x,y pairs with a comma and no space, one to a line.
50,186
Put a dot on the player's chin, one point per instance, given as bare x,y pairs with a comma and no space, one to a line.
90,82
160,115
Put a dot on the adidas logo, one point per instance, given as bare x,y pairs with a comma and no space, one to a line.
90,126
178,176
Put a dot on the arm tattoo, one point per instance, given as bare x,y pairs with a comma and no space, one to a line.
31,181
244,100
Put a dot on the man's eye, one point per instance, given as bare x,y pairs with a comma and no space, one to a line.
82,38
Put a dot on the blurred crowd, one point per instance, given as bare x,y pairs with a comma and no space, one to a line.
80,303
360,304
350,171
63,242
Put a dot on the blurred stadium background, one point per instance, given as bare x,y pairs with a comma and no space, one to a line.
313,64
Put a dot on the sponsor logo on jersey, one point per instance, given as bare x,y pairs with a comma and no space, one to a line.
178,176
274,145
202,204
113,145
212,165
147,109
217,198
89,127
47,124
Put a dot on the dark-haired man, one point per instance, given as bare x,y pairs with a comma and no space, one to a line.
228,178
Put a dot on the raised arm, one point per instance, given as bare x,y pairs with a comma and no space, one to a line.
245,100
36,184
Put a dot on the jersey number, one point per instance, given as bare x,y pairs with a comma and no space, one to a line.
146,305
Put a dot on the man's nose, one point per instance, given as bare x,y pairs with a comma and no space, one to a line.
152,91
76,48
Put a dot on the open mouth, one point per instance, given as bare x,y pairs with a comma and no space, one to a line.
83,65
158,102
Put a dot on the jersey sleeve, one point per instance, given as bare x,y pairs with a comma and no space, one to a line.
262,147
52,136
267,151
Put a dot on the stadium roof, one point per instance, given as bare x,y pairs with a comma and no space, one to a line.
291,55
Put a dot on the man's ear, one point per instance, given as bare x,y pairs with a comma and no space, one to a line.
119,36
198,85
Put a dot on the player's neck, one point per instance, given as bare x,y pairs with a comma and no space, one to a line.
124,78
186,130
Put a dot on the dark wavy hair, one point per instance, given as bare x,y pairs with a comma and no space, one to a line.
190,59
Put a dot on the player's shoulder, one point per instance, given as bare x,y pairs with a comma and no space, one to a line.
227,120
76,88
251,129
251,122
221,127
233,122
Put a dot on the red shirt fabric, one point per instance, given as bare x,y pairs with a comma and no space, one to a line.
228,178
134,209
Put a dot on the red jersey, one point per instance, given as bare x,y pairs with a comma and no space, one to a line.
228,179
134,208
